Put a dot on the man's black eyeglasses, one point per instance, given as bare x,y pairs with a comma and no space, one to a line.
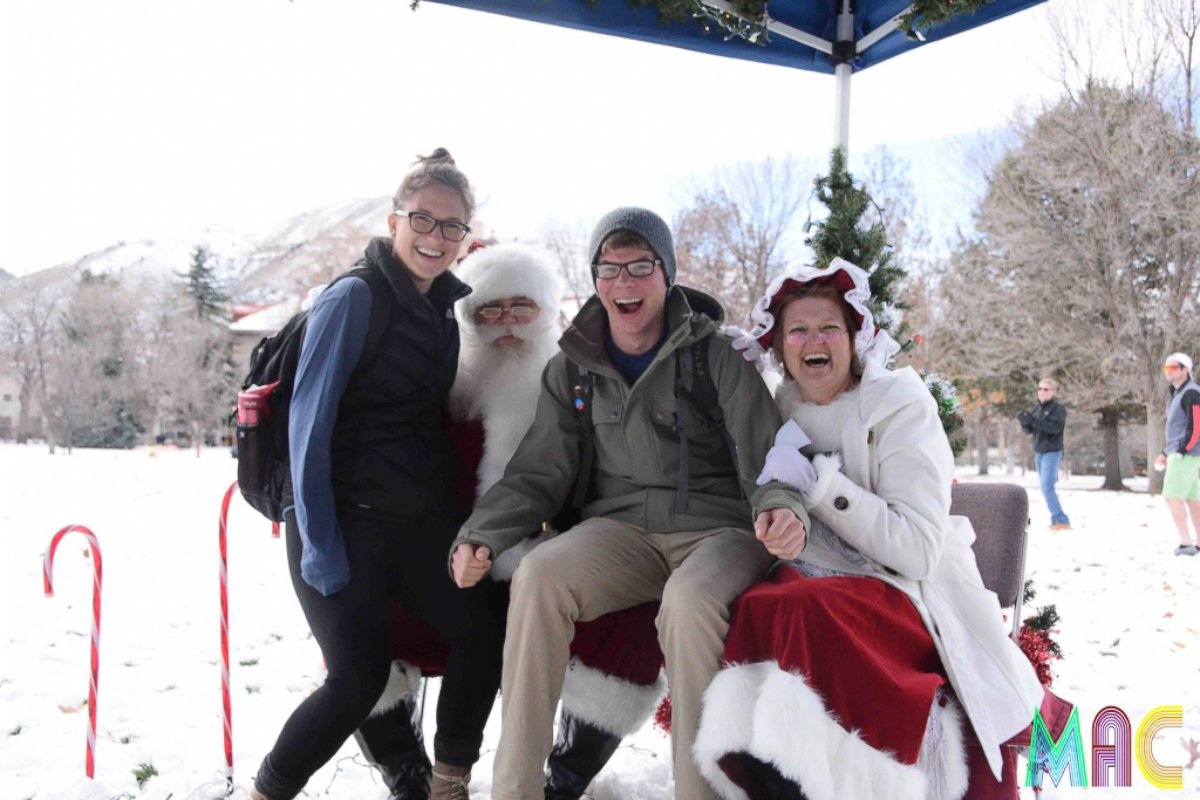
636,269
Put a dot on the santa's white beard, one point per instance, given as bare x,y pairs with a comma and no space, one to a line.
500,386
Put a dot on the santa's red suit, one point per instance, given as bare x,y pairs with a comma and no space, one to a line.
613,682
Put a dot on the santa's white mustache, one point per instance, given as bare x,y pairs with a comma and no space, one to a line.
487,334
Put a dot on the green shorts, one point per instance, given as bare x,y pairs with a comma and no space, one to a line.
1182,481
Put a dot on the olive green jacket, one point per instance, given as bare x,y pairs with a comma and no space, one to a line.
636,452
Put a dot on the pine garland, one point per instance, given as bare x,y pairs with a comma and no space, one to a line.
927,13
1035,639
750,18
945,393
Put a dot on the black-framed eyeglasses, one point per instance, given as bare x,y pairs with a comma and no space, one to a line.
421,222
636,269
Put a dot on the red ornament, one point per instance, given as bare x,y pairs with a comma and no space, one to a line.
1040,649
662,715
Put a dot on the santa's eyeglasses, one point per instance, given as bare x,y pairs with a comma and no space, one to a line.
518,313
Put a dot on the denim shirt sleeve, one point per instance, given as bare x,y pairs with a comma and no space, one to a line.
333,341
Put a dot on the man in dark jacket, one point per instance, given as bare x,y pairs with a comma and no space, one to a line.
1046,422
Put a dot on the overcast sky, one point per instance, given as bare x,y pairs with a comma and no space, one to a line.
144,118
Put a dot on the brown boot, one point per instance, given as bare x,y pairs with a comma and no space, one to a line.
450,783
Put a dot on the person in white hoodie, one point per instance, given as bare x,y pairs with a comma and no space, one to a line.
845,671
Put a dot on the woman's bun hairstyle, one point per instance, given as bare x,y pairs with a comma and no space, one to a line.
436,169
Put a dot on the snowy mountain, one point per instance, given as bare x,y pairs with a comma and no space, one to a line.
260,267
308,249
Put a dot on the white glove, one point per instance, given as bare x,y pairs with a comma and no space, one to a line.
785,462
745,344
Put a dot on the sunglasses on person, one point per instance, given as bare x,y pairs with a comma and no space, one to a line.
1168,368
421,222
519,313
636,269
821,337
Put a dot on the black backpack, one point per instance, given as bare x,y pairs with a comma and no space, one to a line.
264,468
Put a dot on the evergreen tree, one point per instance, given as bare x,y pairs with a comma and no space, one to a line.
853,229
203,286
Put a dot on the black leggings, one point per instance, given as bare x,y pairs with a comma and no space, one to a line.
406,560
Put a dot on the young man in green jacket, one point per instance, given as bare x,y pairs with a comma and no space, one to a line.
670,518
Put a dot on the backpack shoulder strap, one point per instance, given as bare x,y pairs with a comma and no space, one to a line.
381,311
583,384
703,389
694,380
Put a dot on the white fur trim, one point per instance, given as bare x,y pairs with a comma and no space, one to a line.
404,680
509,270
608,702
828,467
776,717
727,723
943,756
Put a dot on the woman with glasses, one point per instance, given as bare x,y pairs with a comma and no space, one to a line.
850,669
372,471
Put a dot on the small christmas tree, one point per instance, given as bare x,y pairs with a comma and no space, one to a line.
853,229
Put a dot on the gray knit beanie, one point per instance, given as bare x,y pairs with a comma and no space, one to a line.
647,224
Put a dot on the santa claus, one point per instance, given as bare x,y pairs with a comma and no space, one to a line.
509,327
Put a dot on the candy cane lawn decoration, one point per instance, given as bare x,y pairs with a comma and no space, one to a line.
48,587
225,703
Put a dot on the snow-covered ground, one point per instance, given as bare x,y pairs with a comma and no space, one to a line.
1130,632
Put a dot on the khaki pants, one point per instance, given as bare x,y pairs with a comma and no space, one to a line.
600,566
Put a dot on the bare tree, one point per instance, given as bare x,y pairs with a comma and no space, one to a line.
568,248
1087,266
740,230
28,315
887,178
90,397
202,377
167,330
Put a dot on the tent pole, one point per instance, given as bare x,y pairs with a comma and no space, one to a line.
841,107
844,53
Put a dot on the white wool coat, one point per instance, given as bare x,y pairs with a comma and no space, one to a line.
891,502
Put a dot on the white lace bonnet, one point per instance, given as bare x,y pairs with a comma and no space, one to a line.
871,343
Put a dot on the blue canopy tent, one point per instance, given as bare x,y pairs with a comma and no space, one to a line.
832,36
